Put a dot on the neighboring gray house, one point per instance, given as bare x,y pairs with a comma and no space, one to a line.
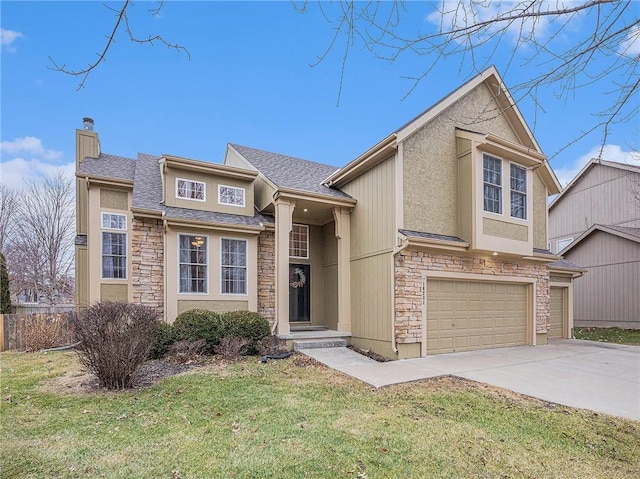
595,222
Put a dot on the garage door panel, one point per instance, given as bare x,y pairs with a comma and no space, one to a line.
556,306
467,315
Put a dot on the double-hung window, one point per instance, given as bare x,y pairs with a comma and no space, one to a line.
190,190
230,195
299,241
114,246
192,263
492,183
518,192
233,262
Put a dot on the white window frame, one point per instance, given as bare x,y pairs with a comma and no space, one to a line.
246,267
207,264
495,185
236,188
569,240
525,193
204,190
105,214
291,239
114,231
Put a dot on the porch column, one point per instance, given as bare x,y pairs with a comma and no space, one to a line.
284,213
343,234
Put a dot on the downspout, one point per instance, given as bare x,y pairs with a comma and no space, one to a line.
394,253
164,266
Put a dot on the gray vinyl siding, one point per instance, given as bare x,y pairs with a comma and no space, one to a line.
372,240
608,294
605,195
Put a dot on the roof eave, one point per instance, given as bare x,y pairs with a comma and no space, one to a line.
308,195
105,180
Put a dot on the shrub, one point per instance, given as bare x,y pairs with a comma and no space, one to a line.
165,337
41,331
188,350
271,345
116,338
200,324
231,348
247,325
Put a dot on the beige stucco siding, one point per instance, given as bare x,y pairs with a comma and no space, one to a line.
217,306
212,182
82,276
114,292
373,226
539,213
465,193
429,158
113,199
504,229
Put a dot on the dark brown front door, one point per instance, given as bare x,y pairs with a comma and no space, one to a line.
299,293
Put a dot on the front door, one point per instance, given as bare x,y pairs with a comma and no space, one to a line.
299,293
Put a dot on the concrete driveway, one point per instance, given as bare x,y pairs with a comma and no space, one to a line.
584,374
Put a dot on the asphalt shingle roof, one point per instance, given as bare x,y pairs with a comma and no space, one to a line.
214,217
147,186
565,264
627,230
289,172
109,166
421,234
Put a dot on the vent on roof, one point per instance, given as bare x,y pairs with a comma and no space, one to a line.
87,124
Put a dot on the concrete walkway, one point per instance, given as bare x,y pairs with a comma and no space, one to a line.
584,374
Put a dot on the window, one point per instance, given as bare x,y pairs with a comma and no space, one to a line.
111,221
518,192
192,258
191,190
234,266
492,177
114,247
114,255
563,243
228,195
299,241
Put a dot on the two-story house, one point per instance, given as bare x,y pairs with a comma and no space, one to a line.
595,222
434,240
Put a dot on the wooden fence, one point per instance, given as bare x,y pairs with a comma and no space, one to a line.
35,330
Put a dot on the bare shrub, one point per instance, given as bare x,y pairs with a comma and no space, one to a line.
187,350
42,331
116,338
271,345
231,348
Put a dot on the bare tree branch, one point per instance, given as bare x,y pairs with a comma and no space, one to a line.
121,15
8,213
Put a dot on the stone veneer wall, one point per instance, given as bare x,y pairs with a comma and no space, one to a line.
267,275
410,267
147,258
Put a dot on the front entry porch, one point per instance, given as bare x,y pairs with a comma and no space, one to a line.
312,270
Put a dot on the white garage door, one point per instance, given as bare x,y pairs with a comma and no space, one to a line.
468,315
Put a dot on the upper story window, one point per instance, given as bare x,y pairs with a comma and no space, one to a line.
563,243
299,241
233,263
190,190
230,195
114,221
492,183
518,192
114,246
193,264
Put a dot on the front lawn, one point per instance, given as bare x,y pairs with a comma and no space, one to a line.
293,419
609,335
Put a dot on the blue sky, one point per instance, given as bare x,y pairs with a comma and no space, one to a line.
249,81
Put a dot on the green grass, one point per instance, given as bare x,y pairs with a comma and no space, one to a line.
609,335
292,419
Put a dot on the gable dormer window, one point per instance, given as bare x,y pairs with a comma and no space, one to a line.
230,195
190,190
492,184
518,192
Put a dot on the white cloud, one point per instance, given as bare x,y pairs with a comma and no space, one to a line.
610,153
631,44
16,171
30,145
7,37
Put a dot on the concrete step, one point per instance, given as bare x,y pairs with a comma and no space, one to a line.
296,328
318,343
